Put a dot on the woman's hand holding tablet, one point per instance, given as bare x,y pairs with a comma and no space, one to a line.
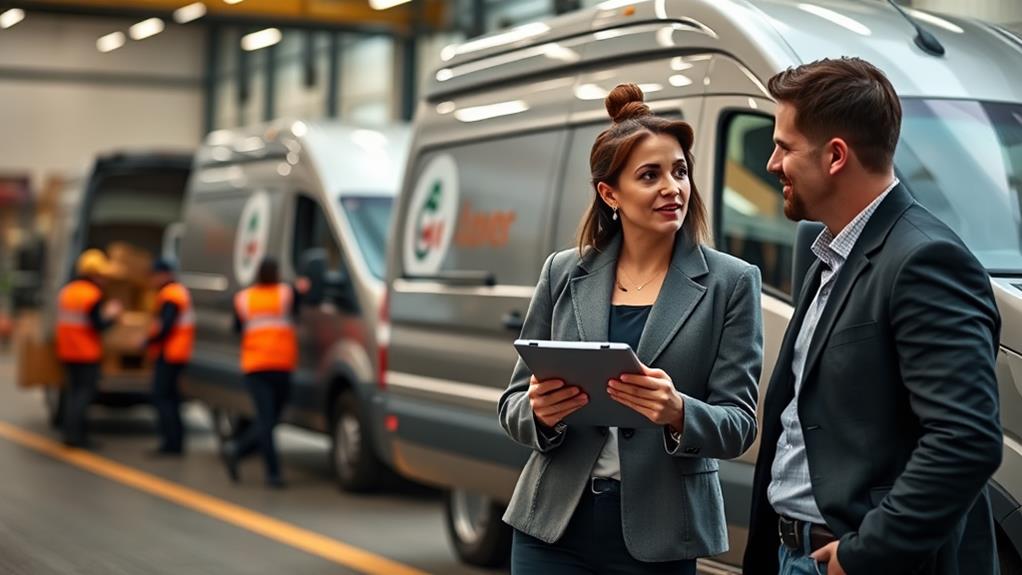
552,400
652,394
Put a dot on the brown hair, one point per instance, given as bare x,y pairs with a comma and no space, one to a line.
633,123
847,98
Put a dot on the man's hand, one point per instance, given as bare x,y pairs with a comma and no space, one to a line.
552,401
112,309
828,554
652,394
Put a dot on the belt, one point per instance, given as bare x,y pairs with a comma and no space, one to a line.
792,530
601,485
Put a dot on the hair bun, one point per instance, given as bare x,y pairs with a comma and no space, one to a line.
625,102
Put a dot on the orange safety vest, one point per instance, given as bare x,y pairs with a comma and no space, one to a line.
268,341
177,346
77,339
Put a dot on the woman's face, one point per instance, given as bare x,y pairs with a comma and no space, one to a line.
653,189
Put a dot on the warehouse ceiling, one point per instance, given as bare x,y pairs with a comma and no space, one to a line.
352,14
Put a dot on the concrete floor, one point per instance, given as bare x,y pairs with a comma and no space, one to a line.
57,518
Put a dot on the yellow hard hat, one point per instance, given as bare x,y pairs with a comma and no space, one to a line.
93,263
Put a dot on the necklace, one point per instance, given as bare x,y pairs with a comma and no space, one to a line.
621,286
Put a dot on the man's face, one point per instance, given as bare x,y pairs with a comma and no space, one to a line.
799,165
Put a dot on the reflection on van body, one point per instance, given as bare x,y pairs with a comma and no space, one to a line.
514,117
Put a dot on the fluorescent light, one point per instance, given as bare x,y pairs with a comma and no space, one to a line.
590,92
935,20
449,51
146,28
678,64
384,4
299,129
477,113
110,42
11,17
261,39
233,1
445,107
845,22
444,75
186,14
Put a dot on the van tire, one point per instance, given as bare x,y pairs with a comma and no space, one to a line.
54,399
490,544
355,465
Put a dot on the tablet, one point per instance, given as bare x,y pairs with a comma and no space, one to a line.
589,365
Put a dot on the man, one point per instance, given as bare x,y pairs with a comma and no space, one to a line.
81,317
264,314
880,425
171,344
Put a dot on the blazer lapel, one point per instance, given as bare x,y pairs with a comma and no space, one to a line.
782,379
678,297
871,240
591,294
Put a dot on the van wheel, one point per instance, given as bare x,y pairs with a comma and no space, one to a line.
355,465
54,399
476,530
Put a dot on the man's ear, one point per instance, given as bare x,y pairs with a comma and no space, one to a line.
837,154
607,193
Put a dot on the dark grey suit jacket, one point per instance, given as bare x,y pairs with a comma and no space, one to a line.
898,405
705,331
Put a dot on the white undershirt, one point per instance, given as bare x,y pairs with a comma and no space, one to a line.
609,463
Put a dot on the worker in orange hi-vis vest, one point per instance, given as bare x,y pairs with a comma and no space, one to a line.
81,316
171,344
265,314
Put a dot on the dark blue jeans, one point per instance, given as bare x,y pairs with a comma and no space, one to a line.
593,543
799,562
82,380
167,401
269,391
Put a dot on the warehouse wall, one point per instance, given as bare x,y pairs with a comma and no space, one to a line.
62,101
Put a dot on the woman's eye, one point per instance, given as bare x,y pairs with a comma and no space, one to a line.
680,173
647,176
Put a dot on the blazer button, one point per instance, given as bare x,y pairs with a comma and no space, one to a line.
692,450
627,432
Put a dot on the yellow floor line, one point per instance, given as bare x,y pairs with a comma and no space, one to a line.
286,533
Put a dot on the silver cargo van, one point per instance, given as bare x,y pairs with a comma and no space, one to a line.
498,178
317,197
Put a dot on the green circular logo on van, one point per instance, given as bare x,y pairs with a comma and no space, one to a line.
432,217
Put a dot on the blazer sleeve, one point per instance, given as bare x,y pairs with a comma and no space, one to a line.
723,425
945,325
514,409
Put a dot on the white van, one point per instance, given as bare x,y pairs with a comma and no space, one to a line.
499,178
317,197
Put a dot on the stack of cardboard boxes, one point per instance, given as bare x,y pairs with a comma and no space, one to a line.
128,282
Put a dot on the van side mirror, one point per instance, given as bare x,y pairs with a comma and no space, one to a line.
804,257
313,266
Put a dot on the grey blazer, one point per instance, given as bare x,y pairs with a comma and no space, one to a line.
705,331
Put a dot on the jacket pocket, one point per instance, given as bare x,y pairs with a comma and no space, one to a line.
858,332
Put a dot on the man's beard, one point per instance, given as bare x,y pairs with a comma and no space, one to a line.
794,209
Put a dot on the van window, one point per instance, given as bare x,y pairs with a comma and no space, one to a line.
369,218
482,208
752,222
577,189
312,230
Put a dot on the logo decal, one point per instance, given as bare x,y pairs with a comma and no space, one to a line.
251,239
433,215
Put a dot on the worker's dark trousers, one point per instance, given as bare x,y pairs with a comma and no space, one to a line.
82,380
167,401
269,391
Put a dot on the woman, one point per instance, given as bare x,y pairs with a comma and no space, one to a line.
598,500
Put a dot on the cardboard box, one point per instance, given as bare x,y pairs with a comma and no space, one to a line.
36,356
124,337
129,263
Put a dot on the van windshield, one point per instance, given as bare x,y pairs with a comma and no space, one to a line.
369,217
963,161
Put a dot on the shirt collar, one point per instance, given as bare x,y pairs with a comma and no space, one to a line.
834,250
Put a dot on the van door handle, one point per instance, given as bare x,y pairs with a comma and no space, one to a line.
513,321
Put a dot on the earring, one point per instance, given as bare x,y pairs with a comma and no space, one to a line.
614,217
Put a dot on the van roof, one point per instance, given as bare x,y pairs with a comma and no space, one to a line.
345,158
766,36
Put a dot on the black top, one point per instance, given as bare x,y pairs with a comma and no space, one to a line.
627,323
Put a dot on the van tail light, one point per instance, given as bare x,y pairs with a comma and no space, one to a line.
383,342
